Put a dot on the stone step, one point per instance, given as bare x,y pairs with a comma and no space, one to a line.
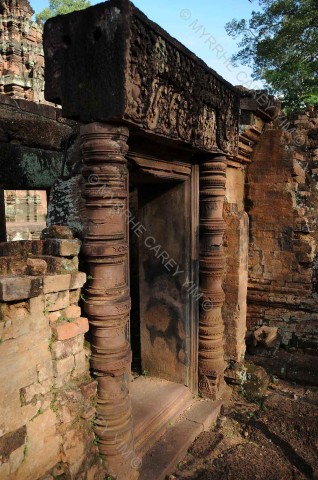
171,448
155,404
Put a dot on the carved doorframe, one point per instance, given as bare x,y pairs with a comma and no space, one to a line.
184,172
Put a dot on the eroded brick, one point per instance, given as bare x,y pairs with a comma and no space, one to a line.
19,288
68,330
56,283
57,301
61,247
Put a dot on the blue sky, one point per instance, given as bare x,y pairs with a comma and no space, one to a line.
212,44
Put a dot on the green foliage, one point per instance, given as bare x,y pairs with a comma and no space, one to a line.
82,297
39,412
51,341
22,398
61,7
26,449
280,43
53,403
63,319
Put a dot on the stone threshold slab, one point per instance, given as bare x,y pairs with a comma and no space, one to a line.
162,458
156,403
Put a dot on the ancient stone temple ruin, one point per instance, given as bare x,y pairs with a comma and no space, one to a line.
160,247
21,51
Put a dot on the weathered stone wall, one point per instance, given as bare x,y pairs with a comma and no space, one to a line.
255,114
282,202
21,51
236,251
25,212
33,138
39,149
47,395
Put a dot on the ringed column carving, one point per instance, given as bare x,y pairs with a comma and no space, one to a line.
212,264
107,302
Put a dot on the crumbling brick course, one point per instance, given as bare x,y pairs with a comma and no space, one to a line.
282,202
47,394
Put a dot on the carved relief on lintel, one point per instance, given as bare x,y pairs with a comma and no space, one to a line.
172,94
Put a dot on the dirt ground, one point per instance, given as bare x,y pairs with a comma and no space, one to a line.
273,439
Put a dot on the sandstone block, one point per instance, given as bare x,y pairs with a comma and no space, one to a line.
44,370
29,166
63,349
33,130
57,231
256,382
62,247
89,389
3,266
266,336
43,110
89,413
21,356
54,316
56,283
12,415
63,370
60,265
43,445
75,296
21,248
15,266
5,470
36,267
16,459
65,415
78,280
67,204
71,439
69,330
57,301
72,312
81,363
22,318
74,456
27,394
16,368
17,288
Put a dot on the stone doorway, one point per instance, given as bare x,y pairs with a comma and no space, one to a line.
163,222
150,90
162,280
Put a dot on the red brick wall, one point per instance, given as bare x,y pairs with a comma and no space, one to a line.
282,202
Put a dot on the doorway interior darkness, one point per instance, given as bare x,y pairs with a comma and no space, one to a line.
163,277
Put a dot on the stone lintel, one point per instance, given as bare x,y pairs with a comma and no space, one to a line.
110,63
261,103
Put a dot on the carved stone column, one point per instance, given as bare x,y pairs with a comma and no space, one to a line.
212,263
107,301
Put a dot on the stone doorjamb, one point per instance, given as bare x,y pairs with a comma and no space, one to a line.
107,302
212,264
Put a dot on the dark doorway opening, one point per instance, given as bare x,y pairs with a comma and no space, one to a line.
160,264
